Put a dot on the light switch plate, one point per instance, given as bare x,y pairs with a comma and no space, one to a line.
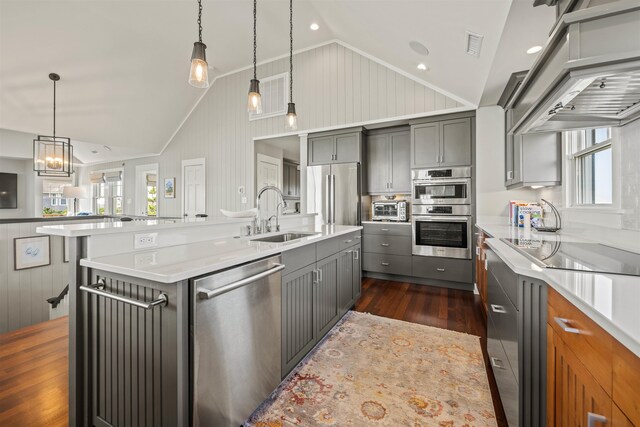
243,200
145,240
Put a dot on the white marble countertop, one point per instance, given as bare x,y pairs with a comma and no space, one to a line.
175,263
93,228
610,300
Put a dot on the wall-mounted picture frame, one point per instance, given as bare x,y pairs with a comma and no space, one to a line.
31,252
170,188
65,249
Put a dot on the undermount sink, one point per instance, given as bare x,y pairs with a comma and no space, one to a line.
281,238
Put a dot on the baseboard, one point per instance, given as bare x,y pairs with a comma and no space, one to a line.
420,281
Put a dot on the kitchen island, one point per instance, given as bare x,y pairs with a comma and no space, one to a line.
132,335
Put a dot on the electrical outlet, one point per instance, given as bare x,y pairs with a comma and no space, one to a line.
243,200
241,189
145,240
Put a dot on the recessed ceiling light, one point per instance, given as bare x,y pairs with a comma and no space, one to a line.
422,67
534,49
419,48
94,151
314,27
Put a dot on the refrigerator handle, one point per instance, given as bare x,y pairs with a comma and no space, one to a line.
331,199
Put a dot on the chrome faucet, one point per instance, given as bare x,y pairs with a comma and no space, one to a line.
259,226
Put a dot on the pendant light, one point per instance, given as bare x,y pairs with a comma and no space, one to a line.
254,104
291,122
53,155
199,75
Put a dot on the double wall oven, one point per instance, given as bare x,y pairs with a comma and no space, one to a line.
441,216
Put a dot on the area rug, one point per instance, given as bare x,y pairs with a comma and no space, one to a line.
374,371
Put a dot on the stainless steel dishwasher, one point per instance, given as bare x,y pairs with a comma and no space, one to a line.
236,341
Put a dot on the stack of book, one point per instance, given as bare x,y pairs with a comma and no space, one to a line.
525,214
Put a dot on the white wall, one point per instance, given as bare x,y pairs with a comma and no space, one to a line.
17,145
333,86
629,137
491,195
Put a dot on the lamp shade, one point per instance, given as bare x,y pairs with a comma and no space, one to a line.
69,192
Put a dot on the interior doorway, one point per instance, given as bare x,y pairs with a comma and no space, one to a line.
268,172
193,187
146,202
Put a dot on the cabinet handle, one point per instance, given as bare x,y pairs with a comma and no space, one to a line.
315,277
348,241
509,175
98,289
477,250
486,264
498,309
495,364
384,229
386,264
592,419
564,324
356,254
319,275
384,244
358,237
348,252
440,269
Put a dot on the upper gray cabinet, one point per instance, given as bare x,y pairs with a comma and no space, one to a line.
442,143
344,146
290,179
534,159
388,162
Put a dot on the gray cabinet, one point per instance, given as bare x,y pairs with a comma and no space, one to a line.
388,163
320,283
442,143
291,179
386,248
297,316
337,147
533,160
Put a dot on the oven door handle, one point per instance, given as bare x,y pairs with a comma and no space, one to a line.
442,181
433,218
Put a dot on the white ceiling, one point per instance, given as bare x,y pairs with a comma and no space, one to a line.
124,64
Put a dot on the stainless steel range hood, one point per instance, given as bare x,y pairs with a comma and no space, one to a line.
588,74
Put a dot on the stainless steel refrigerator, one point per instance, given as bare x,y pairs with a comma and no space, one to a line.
334,193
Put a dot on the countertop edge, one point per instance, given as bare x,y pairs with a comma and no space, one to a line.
167,279
502,250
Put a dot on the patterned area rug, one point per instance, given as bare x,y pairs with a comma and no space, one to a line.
374,371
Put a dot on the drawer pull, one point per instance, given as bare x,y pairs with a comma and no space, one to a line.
564,324
592,419
358,237
477,250
356,254
386,264
498,308
348,252
348,241
495,364
441,269
384,229
384,244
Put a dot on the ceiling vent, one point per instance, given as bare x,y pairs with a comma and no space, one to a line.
275,92
473,43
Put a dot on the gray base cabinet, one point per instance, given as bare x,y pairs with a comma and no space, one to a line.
516,341
321,283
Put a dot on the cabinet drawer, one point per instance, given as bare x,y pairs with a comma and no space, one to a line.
583,337
454,270
507,278
505,379
386,228
390,264
393,245
299,257
328,247
348,240
505,321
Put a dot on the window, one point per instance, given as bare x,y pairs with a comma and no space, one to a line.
591,153
108,192
152,194
53,204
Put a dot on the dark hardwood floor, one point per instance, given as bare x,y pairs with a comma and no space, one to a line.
456,310
33,375
33,360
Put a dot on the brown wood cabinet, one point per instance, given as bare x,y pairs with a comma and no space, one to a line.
481,269
592,379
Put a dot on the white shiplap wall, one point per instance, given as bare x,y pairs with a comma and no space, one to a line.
333,86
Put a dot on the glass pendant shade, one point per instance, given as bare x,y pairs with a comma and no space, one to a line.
291,122
52,156
199,75
254,104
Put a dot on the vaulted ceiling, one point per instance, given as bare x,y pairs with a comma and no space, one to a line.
124,64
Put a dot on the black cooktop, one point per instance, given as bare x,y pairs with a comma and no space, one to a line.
590,257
